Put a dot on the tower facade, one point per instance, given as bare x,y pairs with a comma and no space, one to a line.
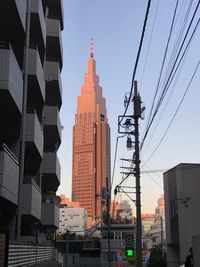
91,146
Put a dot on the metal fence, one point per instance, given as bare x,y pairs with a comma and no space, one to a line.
26,254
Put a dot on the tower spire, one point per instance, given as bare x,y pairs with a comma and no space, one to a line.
91,47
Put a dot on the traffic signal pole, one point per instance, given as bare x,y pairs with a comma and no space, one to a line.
136,161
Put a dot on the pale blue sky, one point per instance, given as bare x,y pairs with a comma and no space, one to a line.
115,26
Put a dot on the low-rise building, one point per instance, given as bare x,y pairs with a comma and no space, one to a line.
147,222
182,203
158,227
122,236
72,218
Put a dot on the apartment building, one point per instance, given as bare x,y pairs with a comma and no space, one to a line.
182,204
30,128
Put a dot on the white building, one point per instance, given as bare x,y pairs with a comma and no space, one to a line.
124,211
72,219
182,205
158,227
147,221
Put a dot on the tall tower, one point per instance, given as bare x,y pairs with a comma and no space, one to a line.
91,145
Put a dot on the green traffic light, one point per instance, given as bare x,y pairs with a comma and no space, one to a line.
130,252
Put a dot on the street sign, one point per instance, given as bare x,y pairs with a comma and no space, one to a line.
129,238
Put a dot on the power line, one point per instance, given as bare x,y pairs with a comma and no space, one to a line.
177,67
161,70
152,30
137,58
183,97
171,75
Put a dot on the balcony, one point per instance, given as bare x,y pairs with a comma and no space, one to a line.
36,82
9,175
31,199
21,8
12,21
34,142
11,90
56,10
50,169
52,128
53,84
11,82
50,211
38,26
54,50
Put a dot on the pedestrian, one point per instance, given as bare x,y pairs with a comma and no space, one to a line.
189,259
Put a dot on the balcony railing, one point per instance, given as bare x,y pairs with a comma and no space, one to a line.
21,7
36,72
50,169
31,199
54,41
9,174
11,81
5,148
53,84
52,126
38,19
34,132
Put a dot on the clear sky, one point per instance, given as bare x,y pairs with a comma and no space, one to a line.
116,26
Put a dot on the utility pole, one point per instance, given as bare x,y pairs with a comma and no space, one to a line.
67,248
108,219
131,128
136,160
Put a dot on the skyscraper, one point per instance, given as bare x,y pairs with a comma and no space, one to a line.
91,145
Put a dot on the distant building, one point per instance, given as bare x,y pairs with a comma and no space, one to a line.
121,212
147,221
158,227
72,218
121,237
182,205
68,203
91,146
